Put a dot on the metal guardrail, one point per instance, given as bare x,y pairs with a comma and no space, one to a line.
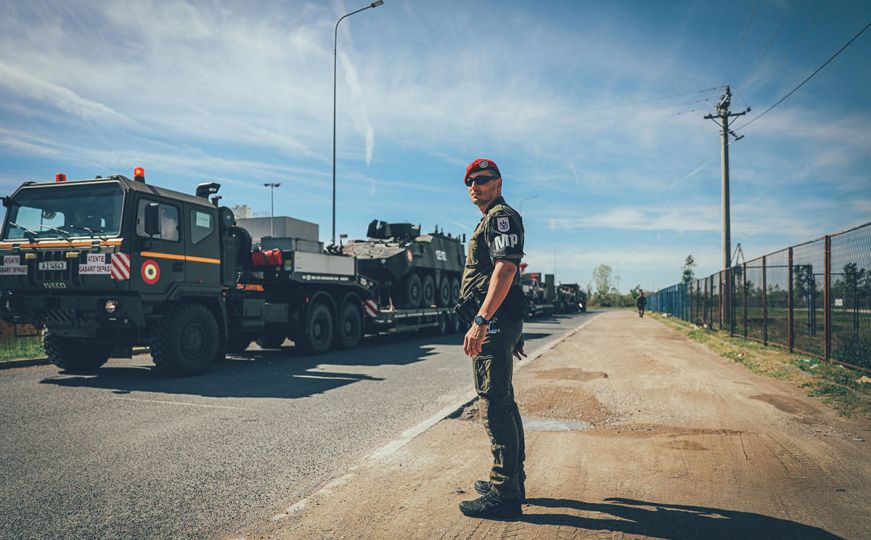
813,298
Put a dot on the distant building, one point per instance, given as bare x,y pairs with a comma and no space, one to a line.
285,227
242,211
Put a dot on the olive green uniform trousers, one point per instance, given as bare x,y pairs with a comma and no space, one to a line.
493,373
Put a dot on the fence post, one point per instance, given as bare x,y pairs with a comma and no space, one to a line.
764,300
744,277
790,320
827,298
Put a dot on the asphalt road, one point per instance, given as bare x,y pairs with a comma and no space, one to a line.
127,453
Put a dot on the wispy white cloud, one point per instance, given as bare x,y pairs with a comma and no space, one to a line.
27,86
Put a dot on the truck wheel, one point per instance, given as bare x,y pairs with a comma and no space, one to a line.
318,334
349,329
272,337
455,290
443,293
238,343
427,287
74,355
410,291
187,340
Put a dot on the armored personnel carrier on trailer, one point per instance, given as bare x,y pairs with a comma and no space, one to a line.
414,270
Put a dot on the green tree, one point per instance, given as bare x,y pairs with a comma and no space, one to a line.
688,273
603,277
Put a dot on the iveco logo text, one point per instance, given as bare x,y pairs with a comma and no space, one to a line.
505,240
54,285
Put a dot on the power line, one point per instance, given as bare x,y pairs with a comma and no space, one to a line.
809,77
741,41
766,49
799,40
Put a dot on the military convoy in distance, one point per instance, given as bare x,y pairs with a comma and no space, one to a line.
414,270
547,298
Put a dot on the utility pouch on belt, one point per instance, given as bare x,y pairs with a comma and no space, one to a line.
468,307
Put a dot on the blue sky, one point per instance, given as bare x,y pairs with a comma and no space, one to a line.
593,111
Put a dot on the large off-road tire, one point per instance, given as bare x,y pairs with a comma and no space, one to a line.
319,329
443,293
187,340
410,292
238,343
455,291
273,337
349,327
75,355
427,288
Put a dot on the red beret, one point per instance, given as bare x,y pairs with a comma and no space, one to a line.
482,164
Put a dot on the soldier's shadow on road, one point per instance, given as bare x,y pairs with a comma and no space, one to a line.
659,520
262,373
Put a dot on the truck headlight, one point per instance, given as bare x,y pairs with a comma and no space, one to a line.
111,306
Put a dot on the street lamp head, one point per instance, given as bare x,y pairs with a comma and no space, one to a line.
376,3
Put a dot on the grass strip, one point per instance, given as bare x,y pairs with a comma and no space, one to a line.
848,391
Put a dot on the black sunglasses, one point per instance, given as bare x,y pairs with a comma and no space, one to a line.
480,180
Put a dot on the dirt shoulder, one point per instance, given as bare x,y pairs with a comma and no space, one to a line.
632,430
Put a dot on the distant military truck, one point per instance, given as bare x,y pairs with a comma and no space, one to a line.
570,298
415,270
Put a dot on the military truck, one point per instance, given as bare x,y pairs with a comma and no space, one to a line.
539,296
106,264
570,298
415,271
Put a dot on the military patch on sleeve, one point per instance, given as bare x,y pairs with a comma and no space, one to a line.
502,224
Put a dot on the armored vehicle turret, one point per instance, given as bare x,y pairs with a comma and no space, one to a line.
413,269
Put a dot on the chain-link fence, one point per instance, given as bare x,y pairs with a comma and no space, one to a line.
813,298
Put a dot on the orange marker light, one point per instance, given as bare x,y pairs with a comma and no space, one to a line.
60,177
139,174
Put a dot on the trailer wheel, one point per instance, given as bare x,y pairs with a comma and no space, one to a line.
318,334
238,343
410,291
349,329
187,340
455,290
427,288
74,355
273,337
443,293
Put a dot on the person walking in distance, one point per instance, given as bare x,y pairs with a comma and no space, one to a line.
641,303
492,300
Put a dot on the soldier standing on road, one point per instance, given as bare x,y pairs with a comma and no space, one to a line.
641,303
492,274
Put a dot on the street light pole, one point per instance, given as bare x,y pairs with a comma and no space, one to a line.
272,186
335,43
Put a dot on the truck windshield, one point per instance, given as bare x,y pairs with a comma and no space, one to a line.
65,211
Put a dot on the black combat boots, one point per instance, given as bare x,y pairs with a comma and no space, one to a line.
483,486
492,506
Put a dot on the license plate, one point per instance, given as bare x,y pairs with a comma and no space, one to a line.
53,265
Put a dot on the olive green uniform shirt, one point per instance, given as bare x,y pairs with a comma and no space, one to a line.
499,235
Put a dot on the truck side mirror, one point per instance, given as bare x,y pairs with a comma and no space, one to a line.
5,201
152,219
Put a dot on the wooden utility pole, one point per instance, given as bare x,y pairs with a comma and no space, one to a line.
723,115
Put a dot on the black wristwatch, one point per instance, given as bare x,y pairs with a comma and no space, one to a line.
481,321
